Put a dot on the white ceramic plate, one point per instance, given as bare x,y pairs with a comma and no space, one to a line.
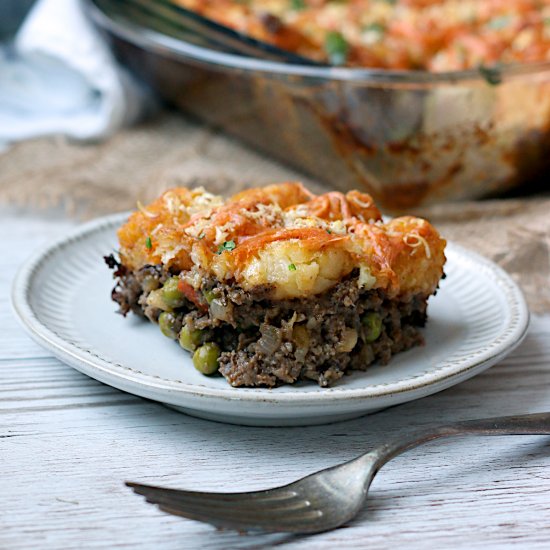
62,296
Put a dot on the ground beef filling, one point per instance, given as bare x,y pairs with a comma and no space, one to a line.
265,342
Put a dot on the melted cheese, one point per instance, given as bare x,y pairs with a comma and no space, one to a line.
285,237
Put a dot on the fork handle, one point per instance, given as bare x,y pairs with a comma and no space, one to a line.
526,424
523,424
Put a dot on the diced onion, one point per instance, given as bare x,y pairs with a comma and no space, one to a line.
349,339
155,299
300,335
270,340
220,311
150,283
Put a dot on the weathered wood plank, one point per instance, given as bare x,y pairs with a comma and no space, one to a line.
67,443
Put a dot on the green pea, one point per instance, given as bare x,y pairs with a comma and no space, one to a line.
171,295
205,358
336,48
373,324
209,296
168,325
190,339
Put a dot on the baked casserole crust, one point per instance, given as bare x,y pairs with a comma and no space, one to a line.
435,35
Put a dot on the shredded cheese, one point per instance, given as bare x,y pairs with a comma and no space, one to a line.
270,215
144,211
420,241
156,229
359,202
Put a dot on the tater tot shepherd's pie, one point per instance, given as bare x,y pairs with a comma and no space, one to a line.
434,35
276,284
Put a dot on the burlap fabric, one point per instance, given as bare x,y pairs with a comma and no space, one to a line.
95,179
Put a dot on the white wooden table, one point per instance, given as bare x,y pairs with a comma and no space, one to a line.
67,443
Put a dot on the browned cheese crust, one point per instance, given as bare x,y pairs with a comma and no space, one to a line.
435,35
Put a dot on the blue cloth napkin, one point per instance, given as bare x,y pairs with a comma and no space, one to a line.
59,77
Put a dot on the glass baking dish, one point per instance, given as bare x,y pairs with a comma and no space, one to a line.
409,138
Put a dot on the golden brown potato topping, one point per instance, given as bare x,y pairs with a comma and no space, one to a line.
286,237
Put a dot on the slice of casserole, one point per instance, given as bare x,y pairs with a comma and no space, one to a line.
276,284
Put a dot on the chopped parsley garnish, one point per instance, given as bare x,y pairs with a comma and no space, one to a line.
148,243
329,231
375,27
336,48
297,4
461,52
227,245
291,267
498,23
491,74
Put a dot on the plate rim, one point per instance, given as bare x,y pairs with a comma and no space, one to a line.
511,336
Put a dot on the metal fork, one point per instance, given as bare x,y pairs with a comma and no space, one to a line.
326,499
